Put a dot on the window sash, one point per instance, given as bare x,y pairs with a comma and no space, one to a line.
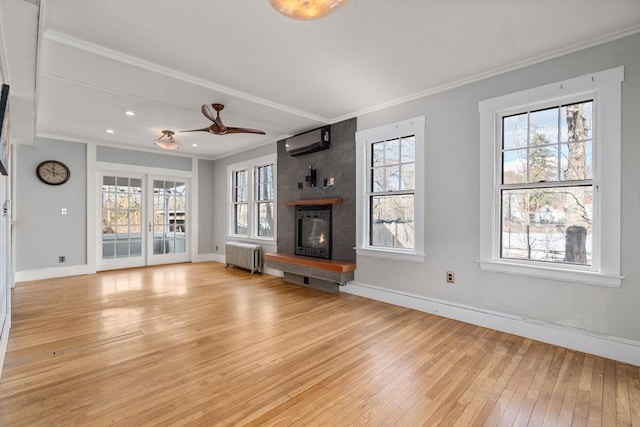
264,183
396,231
549,224
240,223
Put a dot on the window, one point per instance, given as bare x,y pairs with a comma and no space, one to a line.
391,193
390,183
550,181
264,200
546,189
240,201
252,213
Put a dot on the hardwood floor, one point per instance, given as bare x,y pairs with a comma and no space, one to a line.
195,344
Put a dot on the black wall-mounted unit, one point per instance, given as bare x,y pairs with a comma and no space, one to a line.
308,142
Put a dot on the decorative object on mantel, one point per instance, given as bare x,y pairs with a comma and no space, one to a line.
167,141
328,182
306,9
311,178
312,202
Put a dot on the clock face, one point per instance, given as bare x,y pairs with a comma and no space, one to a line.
53,172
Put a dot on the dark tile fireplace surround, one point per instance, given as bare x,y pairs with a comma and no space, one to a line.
337,162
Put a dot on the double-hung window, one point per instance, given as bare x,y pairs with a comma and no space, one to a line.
252,199
240,202
265,196
546,184
390,183
550,181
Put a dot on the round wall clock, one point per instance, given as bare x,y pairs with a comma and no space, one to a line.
53,172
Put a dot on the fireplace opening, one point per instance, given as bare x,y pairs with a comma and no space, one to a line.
313,231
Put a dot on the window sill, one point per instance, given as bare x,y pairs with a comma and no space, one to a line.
553,273
390,254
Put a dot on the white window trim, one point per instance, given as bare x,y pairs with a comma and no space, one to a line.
605,87
250,166
364,139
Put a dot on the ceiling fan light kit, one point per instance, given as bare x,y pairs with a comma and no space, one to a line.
306,10
166,141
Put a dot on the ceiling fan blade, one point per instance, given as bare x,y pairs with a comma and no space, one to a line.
211,129
245,130
196,130
207,113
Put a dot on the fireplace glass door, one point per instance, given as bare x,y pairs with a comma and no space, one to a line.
313,231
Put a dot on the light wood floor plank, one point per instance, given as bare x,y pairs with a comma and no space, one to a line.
198,344
633,373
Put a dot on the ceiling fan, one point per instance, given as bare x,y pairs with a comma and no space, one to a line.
217,128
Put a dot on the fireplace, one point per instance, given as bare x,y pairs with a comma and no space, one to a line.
313,231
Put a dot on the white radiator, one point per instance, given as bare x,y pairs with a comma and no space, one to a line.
244,255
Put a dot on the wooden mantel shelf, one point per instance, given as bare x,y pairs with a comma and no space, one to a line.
299,269
317,263
312,202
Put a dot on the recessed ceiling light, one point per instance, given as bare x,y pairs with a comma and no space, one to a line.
110,131
130,113
194,145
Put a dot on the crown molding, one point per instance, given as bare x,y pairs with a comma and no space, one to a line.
168,72
494,72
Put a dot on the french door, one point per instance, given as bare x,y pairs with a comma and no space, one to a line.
143,220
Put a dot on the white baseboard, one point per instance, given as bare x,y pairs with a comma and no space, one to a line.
4,340
209,258
50,273
620,349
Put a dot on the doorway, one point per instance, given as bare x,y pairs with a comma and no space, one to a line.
144,220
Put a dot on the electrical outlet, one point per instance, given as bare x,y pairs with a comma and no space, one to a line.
62,259
451,277
63,211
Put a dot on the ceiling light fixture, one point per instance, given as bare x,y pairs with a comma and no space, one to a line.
130,113
166,140
306,9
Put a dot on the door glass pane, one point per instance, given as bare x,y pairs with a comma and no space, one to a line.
121,217
169,217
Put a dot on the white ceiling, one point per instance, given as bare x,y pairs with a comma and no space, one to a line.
163,59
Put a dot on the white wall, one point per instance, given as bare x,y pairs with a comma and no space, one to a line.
42,233
451,199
